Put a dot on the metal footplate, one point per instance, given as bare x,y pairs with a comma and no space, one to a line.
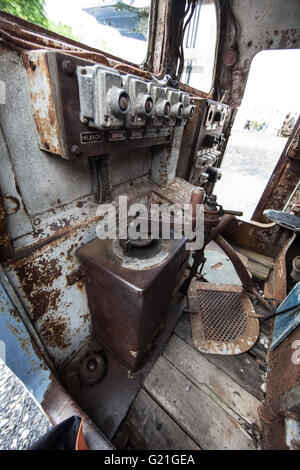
221,318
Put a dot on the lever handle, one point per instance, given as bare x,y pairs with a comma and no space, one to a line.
227,211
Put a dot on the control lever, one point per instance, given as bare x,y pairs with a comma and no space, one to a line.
228,211
214,233
223,211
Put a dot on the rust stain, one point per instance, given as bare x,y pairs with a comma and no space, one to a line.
35,277
55,331
60,224
14,204
85,317
69,256
43,105
216,266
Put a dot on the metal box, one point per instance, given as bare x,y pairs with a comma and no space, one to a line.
129,306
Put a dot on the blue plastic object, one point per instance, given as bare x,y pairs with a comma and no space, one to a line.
286,323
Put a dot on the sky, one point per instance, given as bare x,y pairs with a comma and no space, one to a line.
68,11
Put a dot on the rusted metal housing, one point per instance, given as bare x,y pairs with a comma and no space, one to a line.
53,87
129,306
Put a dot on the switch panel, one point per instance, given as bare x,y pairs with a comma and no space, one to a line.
176,106
209,143
141,102
103,100
162,105
83,109
188,108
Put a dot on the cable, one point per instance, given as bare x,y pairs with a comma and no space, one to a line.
292,310
190,9
273,309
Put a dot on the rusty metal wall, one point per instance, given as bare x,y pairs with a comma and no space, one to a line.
50,211
246,29
50,207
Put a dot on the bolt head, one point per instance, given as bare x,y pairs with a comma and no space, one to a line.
68,66
230,58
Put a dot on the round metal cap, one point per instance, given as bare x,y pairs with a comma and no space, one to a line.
92,368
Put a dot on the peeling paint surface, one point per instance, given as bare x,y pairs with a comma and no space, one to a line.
58,310
20,354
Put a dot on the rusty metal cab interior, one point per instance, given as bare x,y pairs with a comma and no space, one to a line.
135,301
107,324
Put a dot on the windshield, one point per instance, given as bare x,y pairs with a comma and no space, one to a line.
116,27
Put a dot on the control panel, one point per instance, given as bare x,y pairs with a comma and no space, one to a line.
209,143
89,108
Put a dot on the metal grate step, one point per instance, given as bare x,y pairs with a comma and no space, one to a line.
221,318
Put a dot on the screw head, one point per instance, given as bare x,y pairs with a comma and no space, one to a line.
230,58
68,66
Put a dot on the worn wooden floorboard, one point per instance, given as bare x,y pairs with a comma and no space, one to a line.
209,377
150,423
192,400
243,368
193,410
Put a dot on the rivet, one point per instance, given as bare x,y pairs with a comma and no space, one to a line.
68,66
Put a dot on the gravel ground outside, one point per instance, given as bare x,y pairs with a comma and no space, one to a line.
21,420
247,166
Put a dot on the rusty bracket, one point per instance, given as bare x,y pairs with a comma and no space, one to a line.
75,276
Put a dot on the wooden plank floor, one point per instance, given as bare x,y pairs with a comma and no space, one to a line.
197,401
